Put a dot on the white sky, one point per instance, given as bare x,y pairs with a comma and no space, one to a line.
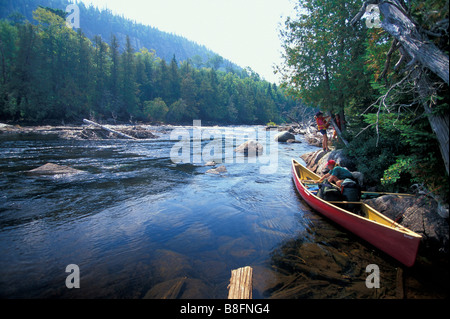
243,31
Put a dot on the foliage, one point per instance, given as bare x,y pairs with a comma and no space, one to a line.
103,23
156,110
51,72
333,66
324,63
392,174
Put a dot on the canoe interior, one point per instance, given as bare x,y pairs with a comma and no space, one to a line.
304,175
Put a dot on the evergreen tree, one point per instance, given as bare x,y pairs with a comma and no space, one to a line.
128,84
175,81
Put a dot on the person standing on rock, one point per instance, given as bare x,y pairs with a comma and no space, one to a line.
322,125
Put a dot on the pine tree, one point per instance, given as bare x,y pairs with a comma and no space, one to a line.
175,81
129,86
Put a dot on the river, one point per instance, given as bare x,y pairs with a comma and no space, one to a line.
138,223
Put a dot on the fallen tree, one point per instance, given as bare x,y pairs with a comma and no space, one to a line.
421,57
400,25
123,135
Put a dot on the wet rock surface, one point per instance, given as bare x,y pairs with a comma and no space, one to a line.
284,136
418,213
53,169
250,148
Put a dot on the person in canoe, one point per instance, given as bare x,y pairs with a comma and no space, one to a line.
322,125
336,174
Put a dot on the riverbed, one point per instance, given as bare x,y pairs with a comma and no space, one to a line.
145,217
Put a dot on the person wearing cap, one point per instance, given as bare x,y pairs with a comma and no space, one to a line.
336,174
322,125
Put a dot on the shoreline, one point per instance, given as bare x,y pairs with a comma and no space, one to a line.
148,130
79,132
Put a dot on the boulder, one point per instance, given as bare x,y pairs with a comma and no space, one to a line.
285,128
218,170
284,136
168,264
343,159
418,213
317,161
292,141
312,160
314,140
250,148
53,169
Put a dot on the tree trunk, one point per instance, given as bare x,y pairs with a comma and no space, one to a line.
423,51
419,50
338,131
438,122
440,126
399,25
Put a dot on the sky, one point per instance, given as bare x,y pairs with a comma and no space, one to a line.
245,32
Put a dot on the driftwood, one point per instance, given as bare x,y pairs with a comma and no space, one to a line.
240,286
123,135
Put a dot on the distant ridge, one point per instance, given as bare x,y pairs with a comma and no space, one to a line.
104,23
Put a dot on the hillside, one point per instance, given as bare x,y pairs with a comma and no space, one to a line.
104,23
50,72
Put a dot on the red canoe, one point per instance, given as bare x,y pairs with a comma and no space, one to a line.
377,229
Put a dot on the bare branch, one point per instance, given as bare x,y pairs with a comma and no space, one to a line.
394,47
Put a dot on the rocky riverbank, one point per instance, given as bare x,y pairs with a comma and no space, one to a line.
84,132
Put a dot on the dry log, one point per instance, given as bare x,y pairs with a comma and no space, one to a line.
109,130
241,286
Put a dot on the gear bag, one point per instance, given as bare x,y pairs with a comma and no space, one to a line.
351,192
329,193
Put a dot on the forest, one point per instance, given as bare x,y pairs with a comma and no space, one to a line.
50,72
383,67
104,23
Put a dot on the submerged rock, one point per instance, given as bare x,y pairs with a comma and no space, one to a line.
218,170
180,288
53,169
